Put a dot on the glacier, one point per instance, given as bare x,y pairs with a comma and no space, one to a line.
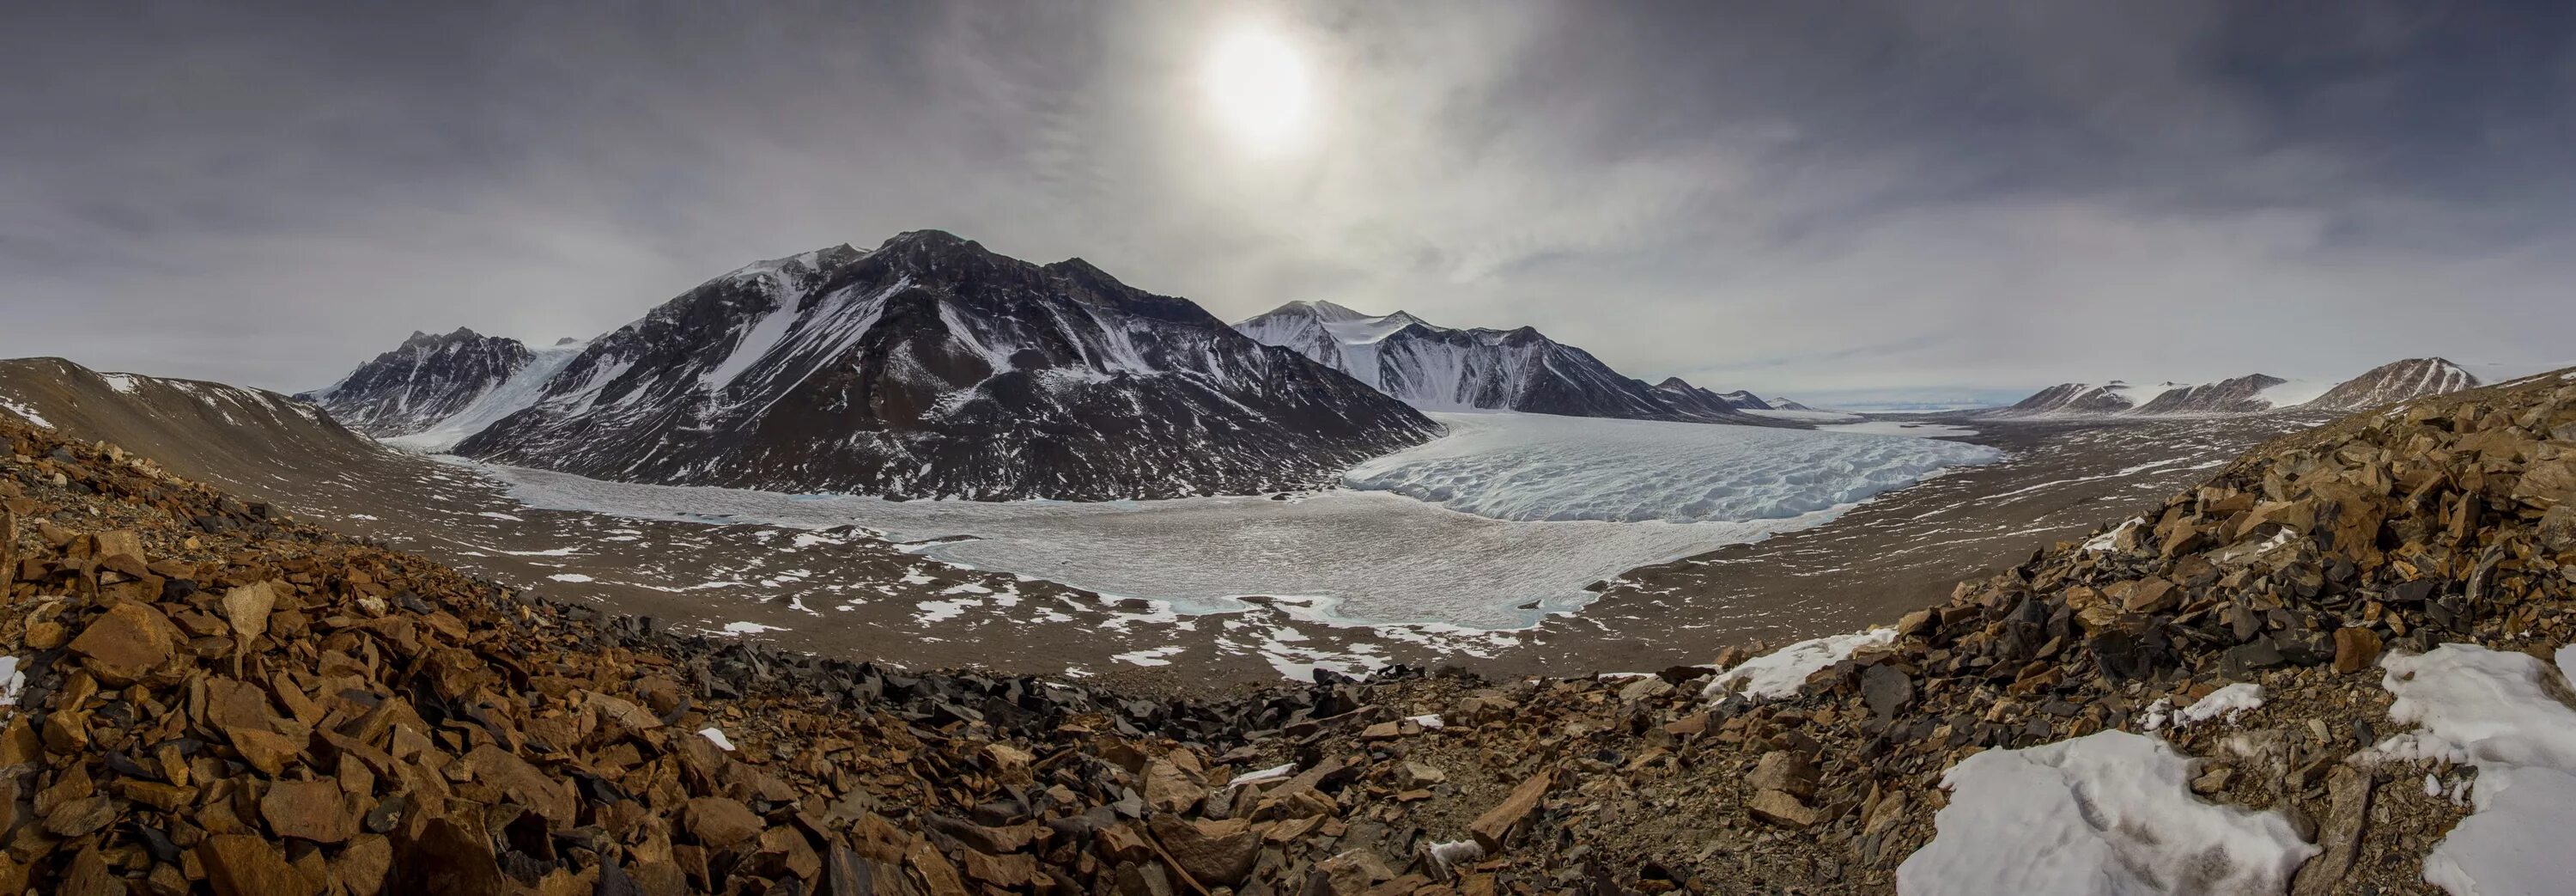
1529,467
1368,555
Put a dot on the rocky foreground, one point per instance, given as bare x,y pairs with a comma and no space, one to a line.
218,699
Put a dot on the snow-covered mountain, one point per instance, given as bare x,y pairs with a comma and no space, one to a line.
1443,368
2395,382
426,379
2249,394
1701,404
931,367
1782,403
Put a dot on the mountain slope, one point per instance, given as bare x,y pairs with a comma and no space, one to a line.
1441,368
427,379
227,434
1695,402
930,367
2395,382
2235,395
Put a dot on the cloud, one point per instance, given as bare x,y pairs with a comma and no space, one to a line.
1868,197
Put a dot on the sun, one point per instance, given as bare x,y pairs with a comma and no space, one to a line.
1259,88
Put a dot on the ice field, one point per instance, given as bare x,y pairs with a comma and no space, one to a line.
1500,522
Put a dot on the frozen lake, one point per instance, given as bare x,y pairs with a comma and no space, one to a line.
1506,519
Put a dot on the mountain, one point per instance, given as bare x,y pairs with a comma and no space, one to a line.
426,379
2113,397
1697,403
2235,395
2395,382
246,438
1782,403
1743,399
931,367
1442,368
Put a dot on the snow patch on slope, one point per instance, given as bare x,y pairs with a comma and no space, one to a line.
2107,813
513,395
1779,674
2507,714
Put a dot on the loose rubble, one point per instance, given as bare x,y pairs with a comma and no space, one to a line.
218,699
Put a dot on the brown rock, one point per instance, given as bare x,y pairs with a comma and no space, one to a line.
1784,770
2356,648
2347,810
265,750
80,817
1779,807
446,856
309,810
719,822
1348,874
246,608
1415,775
126,643
1168,789
1494,827
1214,853
247,865
2152,596
361,868
937,874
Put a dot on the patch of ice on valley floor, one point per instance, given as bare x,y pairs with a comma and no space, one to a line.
942,610
1152,656
569,577
2505,713
1511,466
2108,813
1780,673
749,628
2230,701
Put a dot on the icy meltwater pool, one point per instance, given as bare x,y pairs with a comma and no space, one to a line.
1500,522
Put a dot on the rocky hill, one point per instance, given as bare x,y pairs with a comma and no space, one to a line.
2234,395
2397,381
1443,368
421,382
228,434
2272,682
928,367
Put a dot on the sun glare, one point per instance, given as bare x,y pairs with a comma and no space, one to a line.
1259,89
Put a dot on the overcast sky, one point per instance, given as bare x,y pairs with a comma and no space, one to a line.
1848,202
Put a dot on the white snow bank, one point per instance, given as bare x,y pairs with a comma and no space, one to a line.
1543,467
2230,701
11,680
1779,674
2505,713
25,412
2107,813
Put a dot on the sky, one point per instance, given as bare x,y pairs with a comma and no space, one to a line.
1865,203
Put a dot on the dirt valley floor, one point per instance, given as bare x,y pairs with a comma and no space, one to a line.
841,592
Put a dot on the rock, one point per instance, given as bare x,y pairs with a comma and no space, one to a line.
1886,690
720,822
1351,873
1494,828
2241,660
1168,789
309,810
126,643
246,609
1785,771
1645,689
2356,649
246,865
1415,775
2152,595
2347,810
1780,808
1214,853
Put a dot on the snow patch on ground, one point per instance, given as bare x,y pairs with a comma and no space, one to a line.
1150,656
11,680
749,628
569,577
1780,673
26,413
2507,714
121,382
2230,701
2107,813
1510,466
1805,416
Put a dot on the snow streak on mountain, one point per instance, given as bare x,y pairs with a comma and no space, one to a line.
2397,381
928,367
1441,368
427,379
